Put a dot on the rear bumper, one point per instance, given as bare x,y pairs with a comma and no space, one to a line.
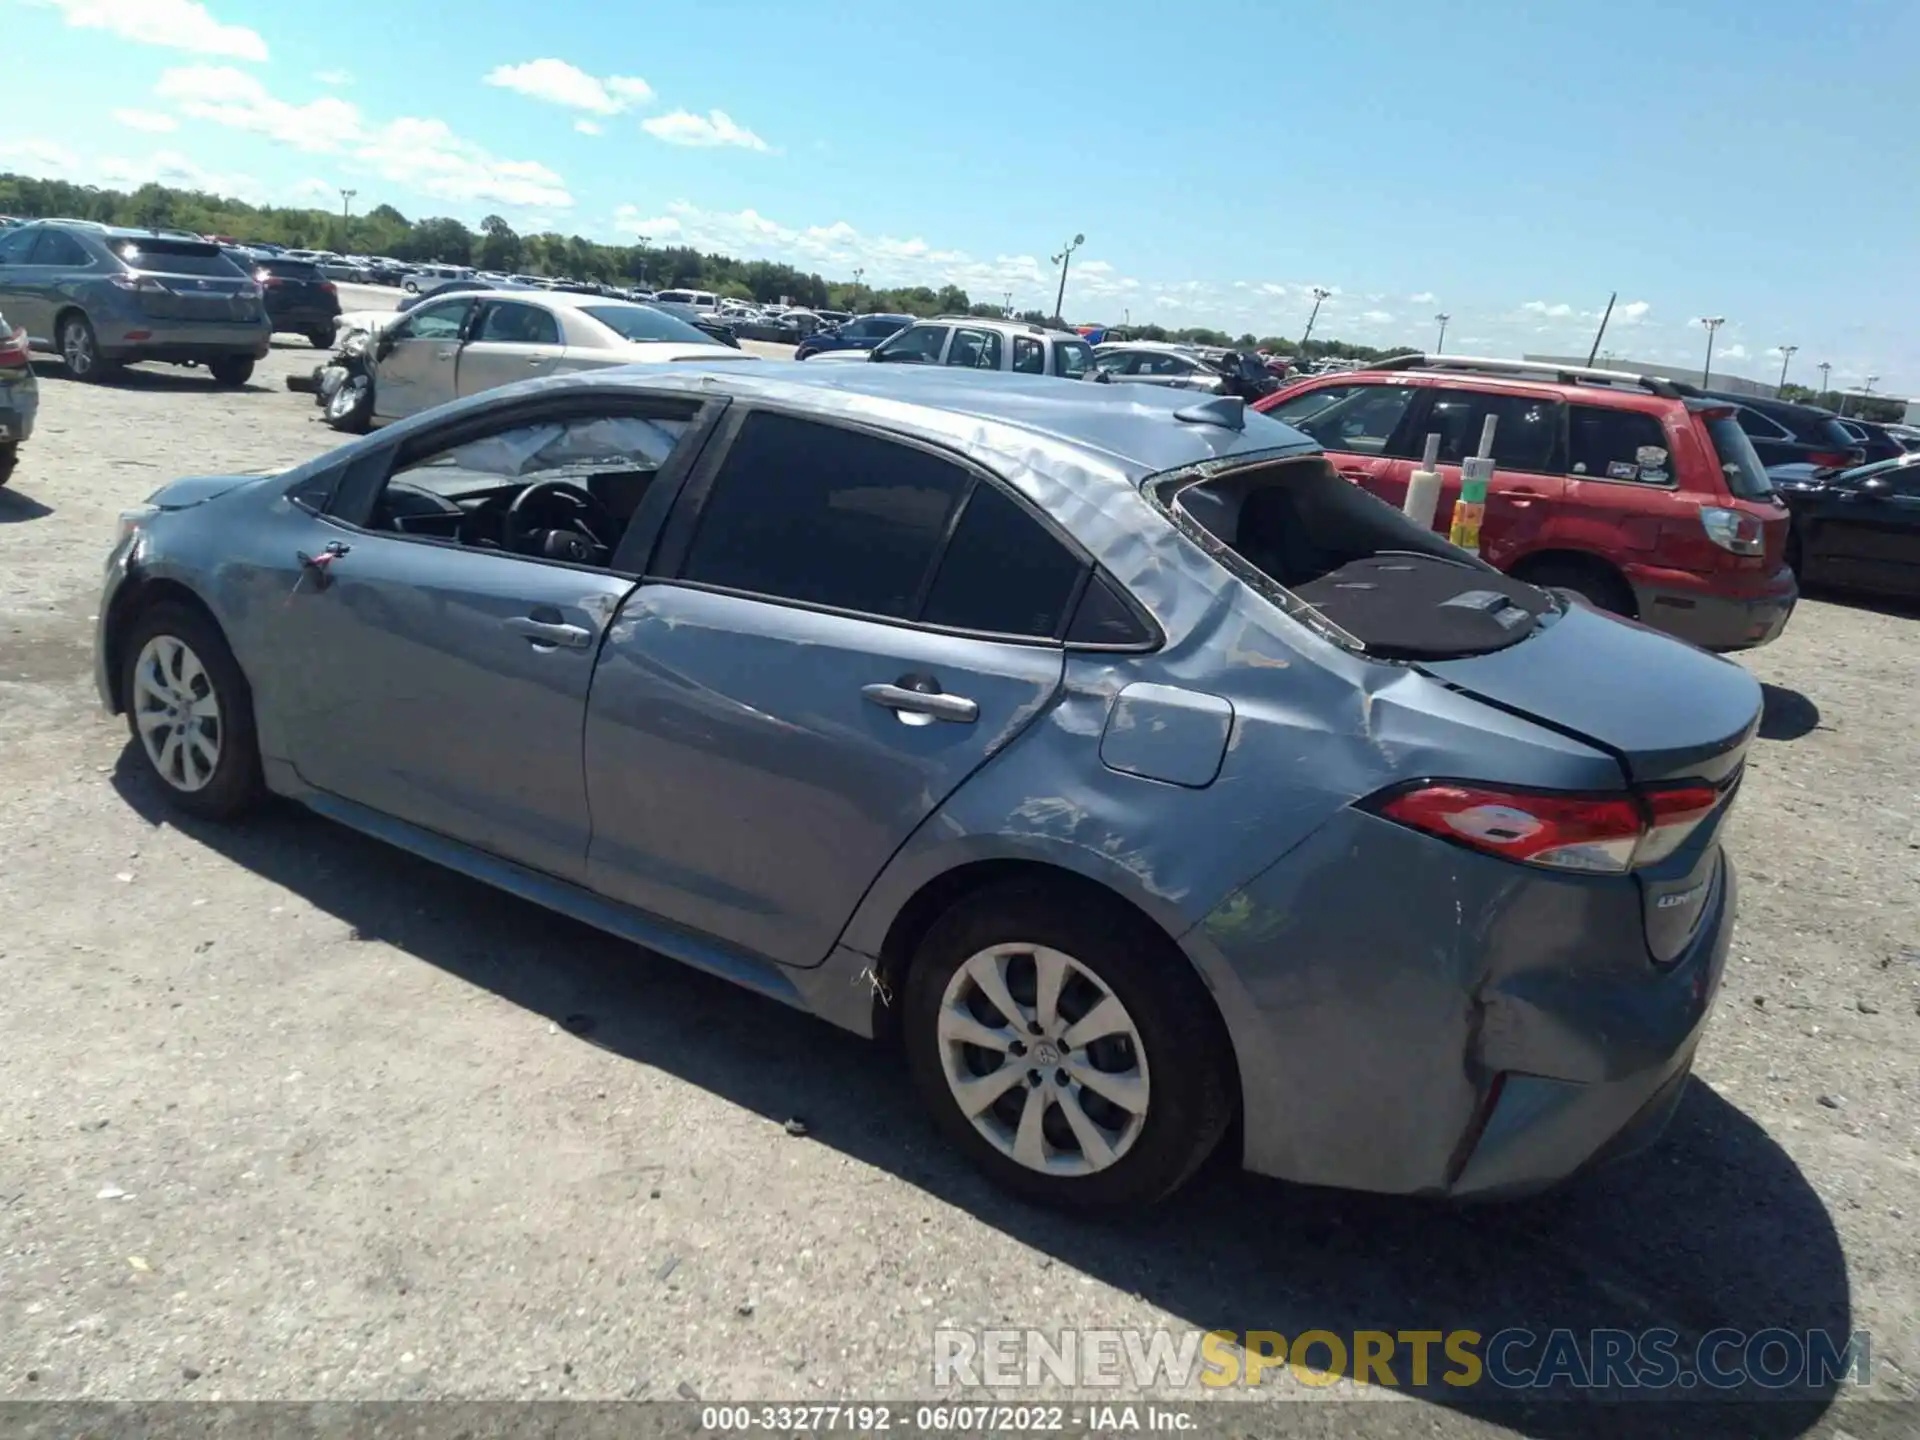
1489,1033
183,339
19,404
301,318
1710,613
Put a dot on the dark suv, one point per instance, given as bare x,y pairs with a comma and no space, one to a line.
299,298
1640,494
103,297
1784,433
862,332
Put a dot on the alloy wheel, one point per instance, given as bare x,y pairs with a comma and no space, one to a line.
177,713
1043,1058
76,347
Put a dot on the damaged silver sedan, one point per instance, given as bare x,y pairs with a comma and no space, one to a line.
1100,744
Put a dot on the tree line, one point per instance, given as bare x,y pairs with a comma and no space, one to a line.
383,230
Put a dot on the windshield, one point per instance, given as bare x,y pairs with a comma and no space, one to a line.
1746,476
178,257
643,324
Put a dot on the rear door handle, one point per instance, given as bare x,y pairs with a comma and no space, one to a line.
550,633
920,706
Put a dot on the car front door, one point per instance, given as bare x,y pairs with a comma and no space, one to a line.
1363,428
845,628
508,341
444,668
419,358
1866,534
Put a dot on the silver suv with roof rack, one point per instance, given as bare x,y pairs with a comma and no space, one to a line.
969,342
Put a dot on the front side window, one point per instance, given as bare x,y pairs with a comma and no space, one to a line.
1608,444
442,320
975,349
1029,356
504,324
1072,359
59,248
14,245
825,516
1357,419
916,345
1153,363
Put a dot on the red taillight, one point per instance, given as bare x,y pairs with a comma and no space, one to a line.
1606,834
13,349
327,285
1833,459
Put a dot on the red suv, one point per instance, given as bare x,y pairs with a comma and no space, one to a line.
1639,493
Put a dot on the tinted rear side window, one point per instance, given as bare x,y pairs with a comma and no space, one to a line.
166,257
1002,572
808,512
1746,476
1615,444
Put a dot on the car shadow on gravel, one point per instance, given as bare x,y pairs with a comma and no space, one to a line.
15,507
1714,1229
165,379
1900,607
1786,714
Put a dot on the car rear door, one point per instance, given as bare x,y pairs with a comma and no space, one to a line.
418,358
1525,494
21,300
508,340
841,628
1622,497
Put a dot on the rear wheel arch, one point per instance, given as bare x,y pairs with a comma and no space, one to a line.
1594,576
948,890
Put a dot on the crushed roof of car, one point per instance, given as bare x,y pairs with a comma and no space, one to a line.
1139,429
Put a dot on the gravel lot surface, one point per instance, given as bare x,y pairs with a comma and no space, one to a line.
291,1115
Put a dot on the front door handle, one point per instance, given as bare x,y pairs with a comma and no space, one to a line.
920,707
550,633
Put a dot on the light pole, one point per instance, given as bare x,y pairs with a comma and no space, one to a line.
1320,293
1825,369
346,216
1007,307
1440,345
1063,260
1713,323
645,240
1866,393
1786,354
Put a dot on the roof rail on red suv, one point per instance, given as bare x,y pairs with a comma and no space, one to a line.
1535,369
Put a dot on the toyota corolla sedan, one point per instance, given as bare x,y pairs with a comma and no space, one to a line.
1099,744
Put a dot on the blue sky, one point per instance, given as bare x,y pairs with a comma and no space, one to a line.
1507,163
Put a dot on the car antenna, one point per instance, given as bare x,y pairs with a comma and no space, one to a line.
1227,411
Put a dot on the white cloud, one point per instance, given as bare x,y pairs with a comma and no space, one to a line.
153,122
588,127
176,24
716,127
1376,317
1552,312
1735,351
1631,313
558,83
166,167
335,78
422,153
1425,297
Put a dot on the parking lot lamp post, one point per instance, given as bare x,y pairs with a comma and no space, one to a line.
1063,260
346,218
645,240
1713,323
1786,355
1866,393
1440,345
1319,293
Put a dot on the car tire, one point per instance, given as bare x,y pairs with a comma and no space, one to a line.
9,460
1166,1093
230,372
80,349
350,408
1594,583
320,339
190,712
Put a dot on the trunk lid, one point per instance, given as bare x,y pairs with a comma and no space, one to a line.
1663,709
188,280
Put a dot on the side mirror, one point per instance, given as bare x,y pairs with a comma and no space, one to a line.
384,342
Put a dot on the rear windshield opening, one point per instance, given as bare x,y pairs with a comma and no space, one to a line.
290,269
1739,462
1386,586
